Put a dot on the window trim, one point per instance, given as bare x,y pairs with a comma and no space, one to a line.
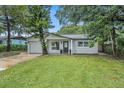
87,44
82,44
55,46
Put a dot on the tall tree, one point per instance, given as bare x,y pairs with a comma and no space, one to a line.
6,21
110,19
39,22
10,16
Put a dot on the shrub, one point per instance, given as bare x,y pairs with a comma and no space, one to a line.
2,48
120,46
13,48
108,49
18,47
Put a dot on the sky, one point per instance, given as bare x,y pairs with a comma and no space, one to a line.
55,21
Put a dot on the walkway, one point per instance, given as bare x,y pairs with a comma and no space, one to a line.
13,60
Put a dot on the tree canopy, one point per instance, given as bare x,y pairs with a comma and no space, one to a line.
100,22
71,29
39,21
11,17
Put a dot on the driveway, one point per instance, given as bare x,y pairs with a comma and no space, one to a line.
13,60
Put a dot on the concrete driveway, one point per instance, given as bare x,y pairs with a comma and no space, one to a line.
13,60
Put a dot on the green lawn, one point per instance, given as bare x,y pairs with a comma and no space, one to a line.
65,71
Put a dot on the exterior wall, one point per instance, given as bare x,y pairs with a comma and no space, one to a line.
53,38
84,50
15,41
50,51
73,46
34,46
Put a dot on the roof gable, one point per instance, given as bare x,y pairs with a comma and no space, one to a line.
79,36
56,36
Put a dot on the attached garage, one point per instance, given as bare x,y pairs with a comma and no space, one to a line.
34,46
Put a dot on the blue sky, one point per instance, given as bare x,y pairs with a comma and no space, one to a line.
55,21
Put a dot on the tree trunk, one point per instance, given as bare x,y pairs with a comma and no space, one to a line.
103,49
113,43
8,32
113,36
42,40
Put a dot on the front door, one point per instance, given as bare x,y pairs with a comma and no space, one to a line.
65,46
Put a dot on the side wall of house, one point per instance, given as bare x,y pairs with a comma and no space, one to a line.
84,50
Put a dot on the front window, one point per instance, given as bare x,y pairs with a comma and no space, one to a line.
83,44
55,45
80,44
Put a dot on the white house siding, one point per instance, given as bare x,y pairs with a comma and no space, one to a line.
34,46
53,38
50,51
84,50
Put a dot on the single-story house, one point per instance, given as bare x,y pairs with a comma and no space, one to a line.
63,44
15,40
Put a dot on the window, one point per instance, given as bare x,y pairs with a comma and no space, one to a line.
83,44
80,44
55,45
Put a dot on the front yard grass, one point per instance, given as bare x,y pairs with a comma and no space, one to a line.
65,71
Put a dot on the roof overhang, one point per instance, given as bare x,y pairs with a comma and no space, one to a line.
47,34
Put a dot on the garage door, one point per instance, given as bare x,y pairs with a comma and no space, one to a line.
35,47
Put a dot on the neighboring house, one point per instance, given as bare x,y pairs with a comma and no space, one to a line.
63,44
15,40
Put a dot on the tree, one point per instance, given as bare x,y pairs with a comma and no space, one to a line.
83,14
110,19
10,16
6,21
69,15
71,29
39,22
100,22
19,19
